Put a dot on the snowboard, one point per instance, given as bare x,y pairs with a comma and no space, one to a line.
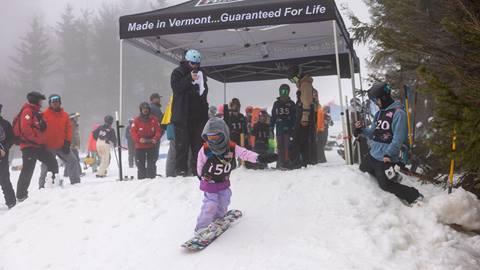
218,227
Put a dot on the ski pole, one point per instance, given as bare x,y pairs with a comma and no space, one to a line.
452,161
405,88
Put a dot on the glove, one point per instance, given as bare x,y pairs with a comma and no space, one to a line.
66,147
43,126
267,158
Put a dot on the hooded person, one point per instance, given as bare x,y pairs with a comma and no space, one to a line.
30,127
58,137
106,139
388,133
146,133
214,165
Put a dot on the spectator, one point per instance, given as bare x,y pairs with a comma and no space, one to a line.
58,137
6,141
189,109
106,139
324,121
29,126
146,133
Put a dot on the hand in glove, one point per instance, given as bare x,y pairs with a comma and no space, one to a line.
358,129
267,158
43,126
66,147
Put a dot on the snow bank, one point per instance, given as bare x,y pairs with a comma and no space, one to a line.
460,207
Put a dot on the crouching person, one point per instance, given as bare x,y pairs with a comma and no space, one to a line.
388,132
146,133
216,160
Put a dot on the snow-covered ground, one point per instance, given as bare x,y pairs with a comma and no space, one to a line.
329,216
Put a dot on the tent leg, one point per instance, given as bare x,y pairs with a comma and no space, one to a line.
224,93
119,116
354,109
337,59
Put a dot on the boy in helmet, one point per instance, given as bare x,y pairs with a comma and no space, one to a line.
283,121
146,133
189,108
388,133
30,128
105,137
58,137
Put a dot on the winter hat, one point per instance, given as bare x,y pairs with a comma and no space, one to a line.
144,105
35,97
284,90
54,97
108,120
217,135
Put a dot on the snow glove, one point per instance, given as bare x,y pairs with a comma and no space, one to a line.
66,147
267,158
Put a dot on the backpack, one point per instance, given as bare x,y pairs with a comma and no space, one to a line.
17,130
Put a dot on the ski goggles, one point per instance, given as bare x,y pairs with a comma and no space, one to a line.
295,79
195,63
214,137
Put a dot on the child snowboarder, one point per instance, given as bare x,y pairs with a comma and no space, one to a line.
261,134
214,164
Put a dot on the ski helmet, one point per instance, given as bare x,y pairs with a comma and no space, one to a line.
284,90
294,74
379,91
108,119
193,56
144,105
53,98
35,97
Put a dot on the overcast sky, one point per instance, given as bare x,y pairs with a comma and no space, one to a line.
15,15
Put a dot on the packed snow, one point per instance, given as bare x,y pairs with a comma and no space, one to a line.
329,216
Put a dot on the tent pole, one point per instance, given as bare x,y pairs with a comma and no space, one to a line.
337,59
224,92
120,105
355,114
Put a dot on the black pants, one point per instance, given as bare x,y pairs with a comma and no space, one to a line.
187,138
322,138
146,160
29,157
7,187
377,169
304,147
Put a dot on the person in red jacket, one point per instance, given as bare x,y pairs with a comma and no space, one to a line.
146,132
30,129
58,138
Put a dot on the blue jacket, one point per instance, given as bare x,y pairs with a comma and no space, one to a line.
400,133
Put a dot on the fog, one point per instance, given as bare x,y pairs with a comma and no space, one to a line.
89,83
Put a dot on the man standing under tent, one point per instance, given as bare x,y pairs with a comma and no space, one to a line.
29,126
6,141
58,137
388,133
189,108
283,121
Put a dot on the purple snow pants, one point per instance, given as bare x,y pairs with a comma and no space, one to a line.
215,205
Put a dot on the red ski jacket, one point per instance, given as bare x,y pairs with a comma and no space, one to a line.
148,129
30,122
59,128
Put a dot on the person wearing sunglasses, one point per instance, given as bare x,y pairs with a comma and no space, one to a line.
215,163
189,108
58,136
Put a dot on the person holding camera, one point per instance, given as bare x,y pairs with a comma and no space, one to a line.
189,109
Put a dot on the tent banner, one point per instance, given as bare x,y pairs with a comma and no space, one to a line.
217,17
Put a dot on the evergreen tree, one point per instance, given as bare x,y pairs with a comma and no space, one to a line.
33,63
434,45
